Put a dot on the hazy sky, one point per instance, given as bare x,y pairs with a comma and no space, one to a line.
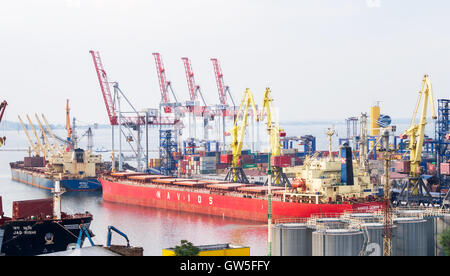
323,59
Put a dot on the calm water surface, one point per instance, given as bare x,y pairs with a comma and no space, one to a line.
151,228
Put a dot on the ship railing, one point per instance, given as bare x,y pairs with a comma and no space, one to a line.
289,220
373,217
420,211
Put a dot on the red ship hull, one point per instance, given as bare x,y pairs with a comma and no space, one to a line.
220,205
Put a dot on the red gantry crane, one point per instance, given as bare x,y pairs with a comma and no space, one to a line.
123,119
192,105
223,109
165,85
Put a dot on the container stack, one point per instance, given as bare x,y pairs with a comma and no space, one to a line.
154,163
208,164
197,164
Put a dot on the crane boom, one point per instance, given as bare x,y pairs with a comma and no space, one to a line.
49,130
416,132
47,142
164,84
39,145
33,145
219,81
194,89
104,86
2,109
221,87
272,128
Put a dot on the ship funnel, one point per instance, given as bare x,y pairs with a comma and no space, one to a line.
346,165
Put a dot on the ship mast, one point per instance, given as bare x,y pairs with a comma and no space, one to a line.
330,132
57,192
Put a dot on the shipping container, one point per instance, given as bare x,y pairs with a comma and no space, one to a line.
281,161
226,158
36,207
34,161
445,168
402,166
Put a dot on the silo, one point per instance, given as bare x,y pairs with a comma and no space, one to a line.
430,228
375,238
410,236
337,242
330,223
291,239
442,223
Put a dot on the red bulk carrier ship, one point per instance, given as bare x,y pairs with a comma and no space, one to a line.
219,198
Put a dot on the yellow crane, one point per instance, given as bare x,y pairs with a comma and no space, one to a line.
415,191
416,132
40,146
47,145
55,142
34,146
274,132
236,172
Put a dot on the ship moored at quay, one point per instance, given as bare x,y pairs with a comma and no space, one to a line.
220,198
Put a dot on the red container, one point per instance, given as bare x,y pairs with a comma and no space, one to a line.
445,168
226,158
402,166
28,208
281,161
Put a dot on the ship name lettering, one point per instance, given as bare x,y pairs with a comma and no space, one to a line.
168,195
210,200
178,196
189,198
158,194
199,199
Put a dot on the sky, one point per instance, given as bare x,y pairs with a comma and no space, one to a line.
322,59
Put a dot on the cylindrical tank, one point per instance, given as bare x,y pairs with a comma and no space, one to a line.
410,236
430,228
442,223
337,242
330,223
374,236
291,239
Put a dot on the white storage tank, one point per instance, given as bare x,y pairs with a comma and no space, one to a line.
337,242
410,238
291,239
